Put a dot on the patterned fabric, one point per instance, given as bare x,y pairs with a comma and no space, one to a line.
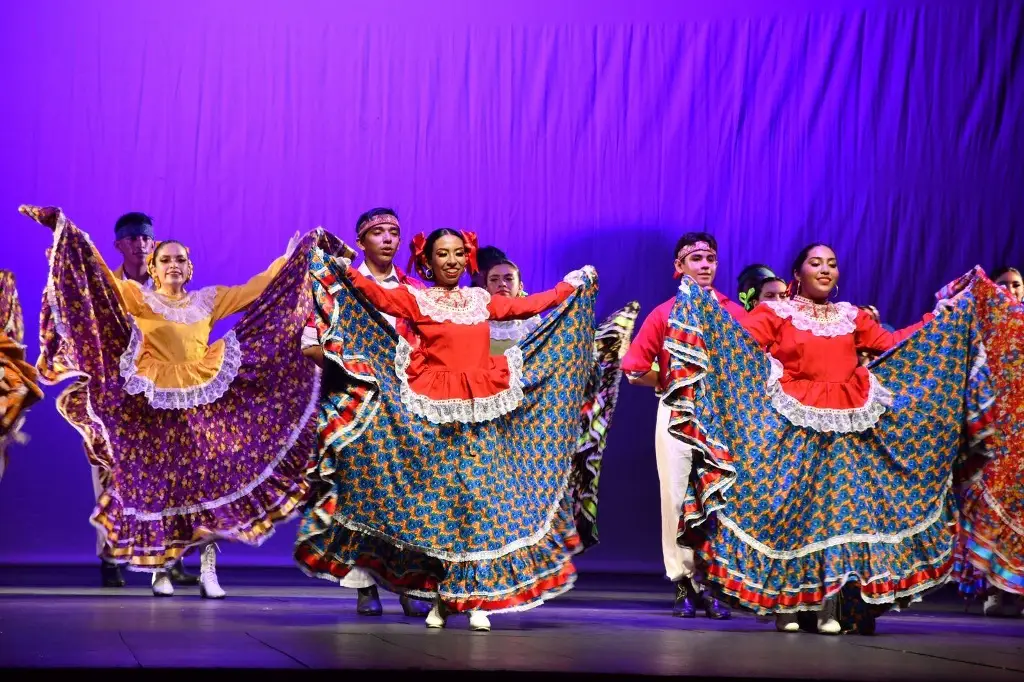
800,513
610,344
11,321
175,478
478,513
18,388
993,502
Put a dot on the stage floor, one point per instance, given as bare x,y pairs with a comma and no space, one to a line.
275,619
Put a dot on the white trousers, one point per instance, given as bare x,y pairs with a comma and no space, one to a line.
674,461
357,578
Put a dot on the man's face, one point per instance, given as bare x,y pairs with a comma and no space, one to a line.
134,250
380,244
701,265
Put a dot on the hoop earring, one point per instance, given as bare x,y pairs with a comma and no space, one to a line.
428,273
836,292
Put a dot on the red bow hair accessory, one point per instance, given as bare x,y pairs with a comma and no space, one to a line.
419,256
469,240
419,243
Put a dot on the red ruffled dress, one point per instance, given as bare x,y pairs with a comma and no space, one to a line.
451,375
817,380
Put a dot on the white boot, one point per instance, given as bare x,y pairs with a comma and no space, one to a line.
993,604
438,616
827,623
209,588
479,622
786,622
162,586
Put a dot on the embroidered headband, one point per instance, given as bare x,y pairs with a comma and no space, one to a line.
377,221
692,248
134,230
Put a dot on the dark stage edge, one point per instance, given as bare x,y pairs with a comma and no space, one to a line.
275,621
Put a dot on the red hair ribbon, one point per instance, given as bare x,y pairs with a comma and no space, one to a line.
469,240
419,255
419,243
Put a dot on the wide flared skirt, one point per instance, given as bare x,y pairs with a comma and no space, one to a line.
175,478
480,514
785,516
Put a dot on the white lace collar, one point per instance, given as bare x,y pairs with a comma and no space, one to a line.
465,305
831,319
513,330
194,307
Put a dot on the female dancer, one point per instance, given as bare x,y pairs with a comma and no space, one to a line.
611,339
835,473
993,501
1010,279
472,451
503,278
758,283
18,388
196,440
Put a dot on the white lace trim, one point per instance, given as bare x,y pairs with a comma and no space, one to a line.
513,330
1010,522
179,398
195,307
836,584
268,471
429,595
870,538
843,323
464,410
835,541
823,419
441,305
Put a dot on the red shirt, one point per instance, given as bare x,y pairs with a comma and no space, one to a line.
401,326
452,365
818,355
649,344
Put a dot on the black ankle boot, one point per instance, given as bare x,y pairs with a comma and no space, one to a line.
684,605
180,577
414,608
368,603
713,609
111,574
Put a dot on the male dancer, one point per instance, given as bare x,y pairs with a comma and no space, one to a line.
646,363
133,238
378,236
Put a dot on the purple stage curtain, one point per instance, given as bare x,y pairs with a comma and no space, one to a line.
569,133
